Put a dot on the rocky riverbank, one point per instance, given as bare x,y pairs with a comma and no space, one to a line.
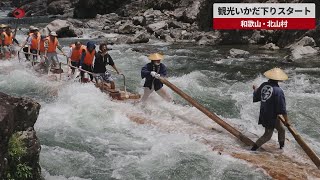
176,21
20,147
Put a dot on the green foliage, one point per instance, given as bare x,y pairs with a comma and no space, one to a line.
17,148
16,169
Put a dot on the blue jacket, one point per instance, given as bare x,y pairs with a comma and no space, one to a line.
273,103
145,73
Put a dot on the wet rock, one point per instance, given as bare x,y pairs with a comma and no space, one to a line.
95,24
186,35
139,20
18,114
270,46
238,53
151,13
77,23
127,28
178,13
301,51
175,33
191,13
33,148
174,24
122,39
141,37
167,38
62,27
157,26
305,41
207,39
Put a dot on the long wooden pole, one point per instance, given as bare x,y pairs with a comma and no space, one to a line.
312,155
211,115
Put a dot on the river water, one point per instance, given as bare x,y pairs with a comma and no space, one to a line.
86,135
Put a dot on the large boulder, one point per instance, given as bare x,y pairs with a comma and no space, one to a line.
305,41
191,13
139,20
301,51
18,115
151,13
178,13
127,28
209,38
63,28
59,7
140,37
157,26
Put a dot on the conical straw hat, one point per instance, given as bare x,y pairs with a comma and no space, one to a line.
155,56
3,26
276,74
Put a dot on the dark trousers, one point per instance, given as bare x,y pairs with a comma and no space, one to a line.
268,134
87,68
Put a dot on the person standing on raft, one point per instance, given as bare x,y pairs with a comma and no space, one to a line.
152,72
273,103
102,59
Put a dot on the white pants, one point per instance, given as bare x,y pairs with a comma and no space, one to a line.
161,92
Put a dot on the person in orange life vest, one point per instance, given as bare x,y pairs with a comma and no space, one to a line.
87,57
42,53
42,49
7,39
24,46
2,28
52,44
102,59
74,55
33,43
152,72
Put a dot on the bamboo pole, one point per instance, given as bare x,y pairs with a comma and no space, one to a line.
211,115
312,155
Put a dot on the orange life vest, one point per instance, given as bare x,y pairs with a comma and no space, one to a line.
42,48
1,32
88,59
35,42
52,45
76,53
7,38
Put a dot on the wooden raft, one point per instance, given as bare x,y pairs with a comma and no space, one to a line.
115,93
